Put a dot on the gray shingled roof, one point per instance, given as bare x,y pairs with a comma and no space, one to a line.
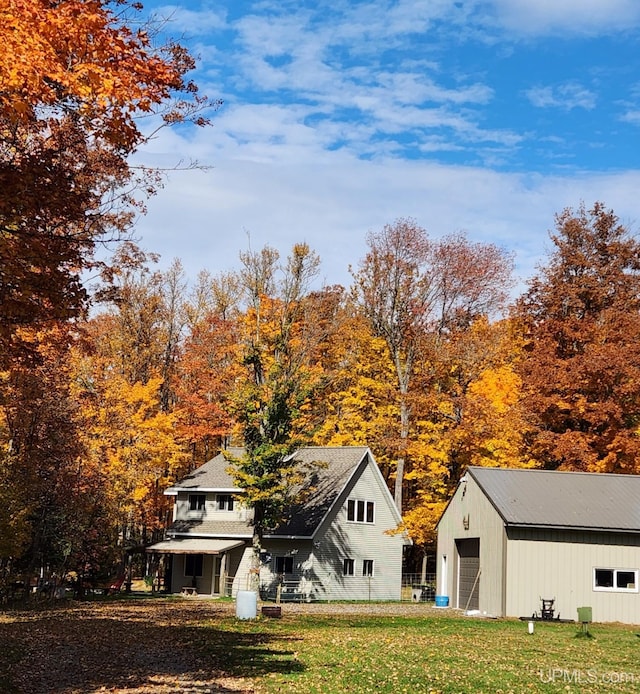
213,528
548,498
212,475
328,471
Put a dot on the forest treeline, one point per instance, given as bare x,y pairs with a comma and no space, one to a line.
112,389
421,359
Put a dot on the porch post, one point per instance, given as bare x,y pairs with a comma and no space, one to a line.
223,574
214,560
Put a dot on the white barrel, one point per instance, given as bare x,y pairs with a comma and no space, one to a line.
246,604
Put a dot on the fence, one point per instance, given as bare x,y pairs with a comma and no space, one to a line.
415,588
418,587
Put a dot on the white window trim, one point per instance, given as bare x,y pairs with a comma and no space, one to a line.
366,502
614,588
373,568
352,567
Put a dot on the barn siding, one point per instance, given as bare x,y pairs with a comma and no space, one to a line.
559,564
470,515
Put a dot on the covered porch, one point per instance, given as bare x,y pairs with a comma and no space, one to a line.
199,566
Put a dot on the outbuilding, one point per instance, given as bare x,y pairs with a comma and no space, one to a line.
511,538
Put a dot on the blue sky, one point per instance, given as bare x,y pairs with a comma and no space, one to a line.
482,116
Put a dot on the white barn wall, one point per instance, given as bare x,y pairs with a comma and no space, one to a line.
469,506
560,565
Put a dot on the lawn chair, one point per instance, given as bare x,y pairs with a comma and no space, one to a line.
116,586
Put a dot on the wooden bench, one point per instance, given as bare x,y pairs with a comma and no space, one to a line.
189,590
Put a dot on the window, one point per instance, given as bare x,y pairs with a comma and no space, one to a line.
193,565
348,567
359,511
367,567
196,502
616,580
225,502
284,565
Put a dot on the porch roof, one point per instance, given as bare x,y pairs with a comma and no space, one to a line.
194,545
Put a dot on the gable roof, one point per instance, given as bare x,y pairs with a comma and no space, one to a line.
210,477
567,500
329,470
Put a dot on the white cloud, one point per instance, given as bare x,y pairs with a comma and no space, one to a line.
567,17
283,194
565,96
631,116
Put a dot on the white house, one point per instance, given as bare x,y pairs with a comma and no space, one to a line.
338,543
512,537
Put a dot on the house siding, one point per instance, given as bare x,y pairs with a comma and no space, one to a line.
471,515
317,545
337,539
210,512
559,564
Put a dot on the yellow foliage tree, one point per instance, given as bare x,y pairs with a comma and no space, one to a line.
471,415
132,442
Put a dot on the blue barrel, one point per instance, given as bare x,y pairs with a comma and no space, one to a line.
442,601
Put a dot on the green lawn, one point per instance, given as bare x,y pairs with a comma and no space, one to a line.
158,646
438,654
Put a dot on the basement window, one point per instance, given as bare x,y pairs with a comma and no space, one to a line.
616,580
367,567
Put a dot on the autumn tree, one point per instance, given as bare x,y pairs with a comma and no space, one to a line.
470,412
56,506
413,291
357,404
208,368
126,381
277,338
581,320
75,76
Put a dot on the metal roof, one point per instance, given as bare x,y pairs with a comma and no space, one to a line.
573,500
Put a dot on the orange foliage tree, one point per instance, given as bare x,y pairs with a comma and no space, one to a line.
57,506
470,413
581,320
74,77
414,291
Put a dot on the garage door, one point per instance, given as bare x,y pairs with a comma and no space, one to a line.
468,576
